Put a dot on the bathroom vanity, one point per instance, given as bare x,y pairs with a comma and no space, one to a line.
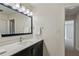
33,50
31,47
15,23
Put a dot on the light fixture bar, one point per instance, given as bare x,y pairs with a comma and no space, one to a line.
19,8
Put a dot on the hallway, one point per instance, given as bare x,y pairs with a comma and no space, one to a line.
69,52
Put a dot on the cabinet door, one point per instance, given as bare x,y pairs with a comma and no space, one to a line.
34,50
25,52
38,49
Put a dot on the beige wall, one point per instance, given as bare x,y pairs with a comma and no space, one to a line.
3,23
51,18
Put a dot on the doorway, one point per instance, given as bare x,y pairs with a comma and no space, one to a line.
69,34
70,49
12,26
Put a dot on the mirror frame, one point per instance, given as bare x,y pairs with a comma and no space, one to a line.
17,34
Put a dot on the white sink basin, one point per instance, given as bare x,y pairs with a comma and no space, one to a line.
11,49
25,42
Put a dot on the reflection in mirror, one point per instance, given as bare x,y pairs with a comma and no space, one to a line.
12,22
12,26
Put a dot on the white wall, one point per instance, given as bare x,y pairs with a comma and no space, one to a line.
51,18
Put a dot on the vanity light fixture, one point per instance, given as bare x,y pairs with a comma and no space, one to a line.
28,11
16,6
30,14
25,12
19,8
23,8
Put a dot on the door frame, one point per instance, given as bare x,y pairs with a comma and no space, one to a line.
74,32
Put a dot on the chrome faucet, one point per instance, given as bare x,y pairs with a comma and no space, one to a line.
21,39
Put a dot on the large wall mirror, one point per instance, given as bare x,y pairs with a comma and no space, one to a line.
13,22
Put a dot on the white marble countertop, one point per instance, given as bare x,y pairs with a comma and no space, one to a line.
11,49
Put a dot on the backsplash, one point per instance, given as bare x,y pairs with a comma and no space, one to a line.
13,39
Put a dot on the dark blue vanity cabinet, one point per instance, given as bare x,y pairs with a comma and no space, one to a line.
34,50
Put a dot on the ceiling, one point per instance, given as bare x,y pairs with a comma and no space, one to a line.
66,5
70,8
10,11
69,5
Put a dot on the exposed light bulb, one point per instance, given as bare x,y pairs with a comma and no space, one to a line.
30,14
28,11
17,5
20,9
23,8
14,7
25,12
